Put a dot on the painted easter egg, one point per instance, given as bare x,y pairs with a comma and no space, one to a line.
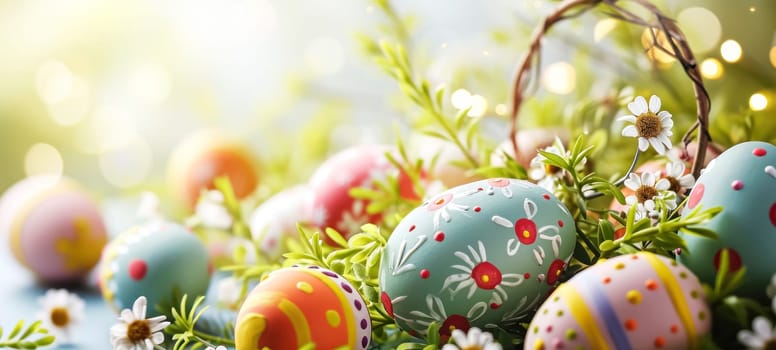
205,156
742,180
634,301
481,255
331,204
160,260
277,218
54,227
297,306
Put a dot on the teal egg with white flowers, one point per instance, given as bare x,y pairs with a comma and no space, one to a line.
742,180
160,260
483,254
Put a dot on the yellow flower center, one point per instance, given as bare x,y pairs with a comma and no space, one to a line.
60,317
648,125
645,193
769,344
551,169
138,331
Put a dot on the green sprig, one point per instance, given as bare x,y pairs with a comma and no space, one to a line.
19,338
185,332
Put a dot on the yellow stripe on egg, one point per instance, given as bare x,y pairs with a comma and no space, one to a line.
578,307
674,291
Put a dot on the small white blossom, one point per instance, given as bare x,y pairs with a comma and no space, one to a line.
212,212
680,182
763,337
134,331
473,339
650,125
220,347
61,310
650,195
229,289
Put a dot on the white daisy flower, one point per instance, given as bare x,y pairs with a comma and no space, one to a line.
679,181
61,310
212,212
650,124
546,175
763,337
650,195
135,332
474,339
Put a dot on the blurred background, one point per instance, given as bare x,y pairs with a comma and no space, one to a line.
105,91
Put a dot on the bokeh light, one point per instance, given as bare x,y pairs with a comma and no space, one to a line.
559,78
325,56
657,46
731,51
461,99
603,27
479,106
43,159
501,109
758,102
711,68
772,56
702,28
150,82
54,82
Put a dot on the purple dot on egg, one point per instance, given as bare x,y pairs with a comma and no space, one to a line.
737,185
357,304
346,287
330,274
364,341
313,267
363,324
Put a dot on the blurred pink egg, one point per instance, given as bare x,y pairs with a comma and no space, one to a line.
54,227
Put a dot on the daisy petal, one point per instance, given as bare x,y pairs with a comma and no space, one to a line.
686,181
643,144
762,327
633,181
750,340
667,124
157,338
665,140
657,145
139,307
663,185
654,104
450,347
638,106
647,179
627,118
630,131
664,115
127,316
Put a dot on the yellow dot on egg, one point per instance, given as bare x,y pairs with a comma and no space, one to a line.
633,296
539,344
526,234
619,266
333,317
485,278
304,287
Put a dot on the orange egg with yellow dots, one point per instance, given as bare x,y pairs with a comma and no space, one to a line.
54,226
204,156
299,306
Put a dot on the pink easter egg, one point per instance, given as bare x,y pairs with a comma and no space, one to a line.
277,218
54,227
634,301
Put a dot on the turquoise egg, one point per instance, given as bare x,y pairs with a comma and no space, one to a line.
484,254
742,180
161,261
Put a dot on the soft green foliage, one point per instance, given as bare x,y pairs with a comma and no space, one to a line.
185,332
32,336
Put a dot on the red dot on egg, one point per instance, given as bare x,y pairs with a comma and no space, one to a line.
527,275
546,196
477,209
695,195
137,269
772,214
412,228
737,185
439,236
494,306
607,279
631,324
651,284
660,342
734,259
674,328
560,223
425,274
759,152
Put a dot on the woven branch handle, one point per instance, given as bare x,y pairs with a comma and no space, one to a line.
678,48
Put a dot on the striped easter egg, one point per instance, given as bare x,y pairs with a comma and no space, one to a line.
636,301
